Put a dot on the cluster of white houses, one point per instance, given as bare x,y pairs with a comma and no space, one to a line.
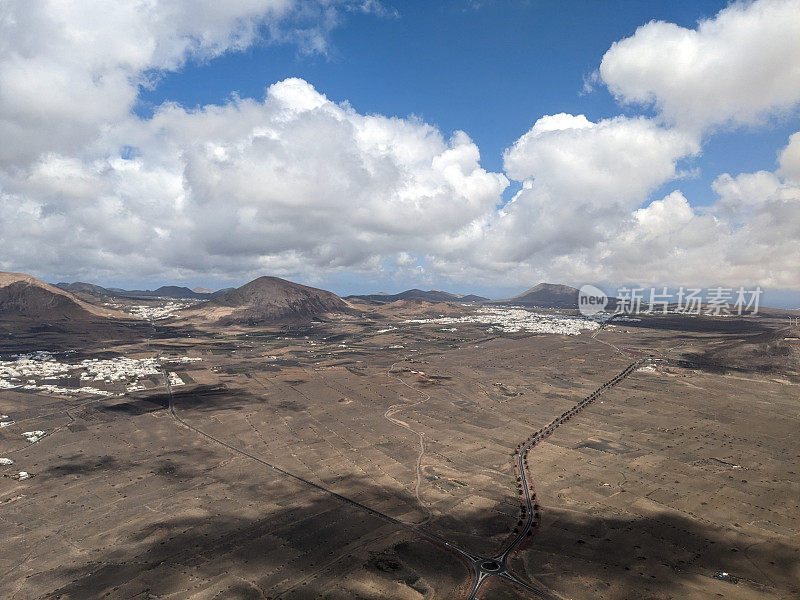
511,320
41,371
153,312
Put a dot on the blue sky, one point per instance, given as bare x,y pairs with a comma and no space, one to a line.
491,70
176,182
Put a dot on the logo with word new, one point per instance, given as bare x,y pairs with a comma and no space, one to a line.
591,300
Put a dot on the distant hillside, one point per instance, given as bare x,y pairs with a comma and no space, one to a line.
25,297
37,316
473,298
165,291
269,299
430,296
80,287
221,292
419,308
546,295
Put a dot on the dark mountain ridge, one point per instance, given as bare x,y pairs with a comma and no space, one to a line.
546,295
25,297
165,291
271,299
429,295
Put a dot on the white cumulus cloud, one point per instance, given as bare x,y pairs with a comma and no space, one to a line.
295,181
615,161
738,67
293,184
70,68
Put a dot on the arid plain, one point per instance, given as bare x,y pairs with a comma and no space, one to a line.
684,471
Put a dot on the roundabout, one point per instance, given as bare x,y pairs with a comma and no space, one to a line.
490,566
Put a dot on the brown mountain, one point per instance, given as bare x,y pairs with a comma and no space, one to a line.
269,299
429,295
547,295
25,297
37,316
165,291
80,287
419,307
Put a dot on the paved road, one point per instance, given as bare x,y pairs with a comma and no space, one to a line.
483,567
497,566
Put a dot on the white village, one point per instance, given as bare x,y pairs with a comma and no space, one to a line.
43,372
512,320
